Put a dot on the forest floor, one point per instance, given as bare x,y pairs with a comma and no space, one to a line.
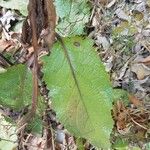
120,30
122,34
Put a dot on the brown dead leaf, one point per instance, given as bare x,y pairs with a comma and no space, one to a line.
140,70
35,143
4,44
121,117
145,60
134,100
103,2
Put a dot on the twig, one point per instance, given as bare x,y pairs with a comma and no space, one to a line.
138,124
5,61
32,18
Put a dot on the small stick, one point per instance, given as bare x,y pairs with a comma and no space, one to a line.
32,18
138,124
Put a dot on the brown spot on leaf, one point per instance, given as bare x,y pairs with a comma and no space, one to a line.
77,44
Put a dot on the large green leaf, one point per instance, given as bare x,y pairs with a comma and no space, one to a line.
20,5
16,87
80,90
73,16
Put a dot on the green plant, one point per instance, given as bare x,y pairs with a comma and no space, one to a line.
80,90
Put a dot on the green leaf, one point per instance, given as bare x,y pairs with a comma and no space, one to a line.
119,94
36,125
16,87
20,5
120,144
125,28
148,145
80,89
16,93
73,16
79,143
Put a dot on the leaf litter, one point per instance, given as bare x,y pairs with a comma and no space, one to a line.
121,32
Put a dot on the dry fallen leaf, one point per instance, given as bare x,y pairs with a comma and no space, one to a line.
35,143
109,5
4,44
122,15
145,60
102,40
120,114
103,2
134,100
140,70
